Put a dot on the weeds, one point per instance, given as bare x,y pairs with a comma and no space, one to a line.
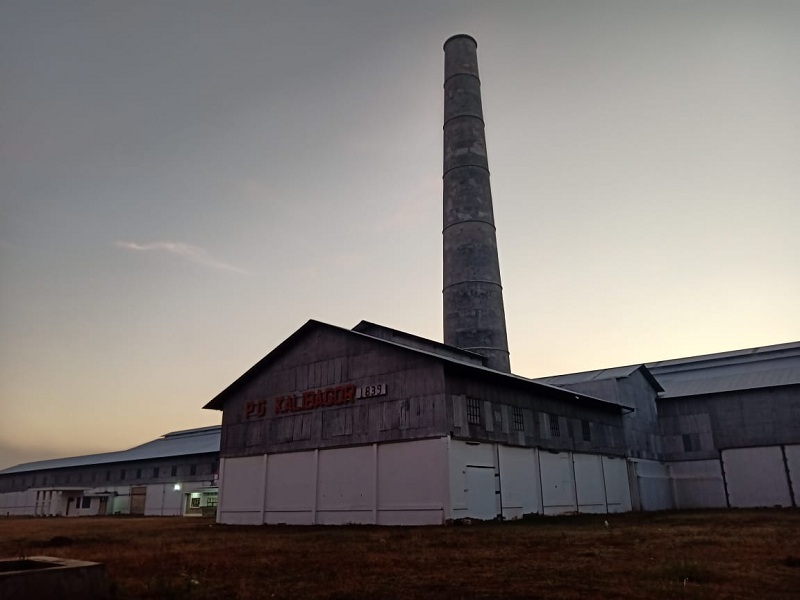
737,554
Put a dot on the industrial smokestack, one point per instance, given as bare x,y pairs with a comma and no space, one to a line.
474,318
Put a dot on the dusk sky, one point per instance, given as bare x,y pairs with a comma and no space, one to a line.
184,184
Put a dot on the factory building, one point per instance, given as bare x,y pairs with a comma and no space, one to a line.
176,474
378,426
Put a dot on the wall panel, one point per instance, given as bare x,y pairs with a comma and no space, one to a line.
558,485
697,484
756,477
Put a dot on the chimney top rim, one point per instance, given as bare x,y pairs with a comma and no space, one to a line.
460,35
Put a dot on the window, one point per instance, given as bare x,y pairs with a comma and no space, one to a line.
83,502
193,470
555,429
473,411
211,500
122,474
108,475
173,472
519,422
687,443
587,431
155,471
138,473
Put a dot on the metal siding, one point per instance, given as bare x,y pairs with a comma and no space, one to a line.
519,481
589,483
618,491
461,456
291,488
411,487
558,485
793,467
480,492
698,484
756,477
345,486
242,494
654,485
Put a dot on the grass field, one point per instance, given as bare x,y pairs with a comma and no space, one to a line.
727,554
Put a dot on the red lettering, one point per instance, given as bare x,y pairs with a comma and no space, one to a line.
278,405
262,408
348,394
249,409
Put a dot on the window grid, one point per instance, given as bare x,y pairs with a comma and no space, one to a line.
473,411
519,422
587,431
555,428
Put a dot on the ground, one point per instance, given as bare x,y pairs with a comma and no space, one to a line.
747,554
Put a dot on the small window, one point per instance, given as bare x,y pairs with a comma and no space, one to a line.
122,474
108,475
83,502
687,443
473,411
519,422
173,472
138,473
211,500
555,428
587,431
193,470
155,471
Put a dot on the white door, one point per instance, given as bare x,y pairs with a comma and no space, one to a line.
481,497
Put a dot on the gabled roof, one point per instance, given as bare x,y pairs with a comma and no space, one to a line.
219,400
601,375
414,341
204,440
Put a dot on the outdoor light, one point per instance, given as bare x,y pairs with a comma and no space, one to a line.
177,487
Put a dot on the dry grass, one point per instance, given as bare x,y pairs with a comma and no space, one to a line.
726,554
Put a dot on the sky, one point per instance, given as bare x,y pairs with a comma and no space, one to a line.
184,184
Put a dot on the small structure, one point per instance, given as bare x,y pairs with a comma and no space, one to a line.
51,577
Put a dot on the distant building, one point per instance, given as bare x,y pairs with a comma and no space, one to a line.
176,474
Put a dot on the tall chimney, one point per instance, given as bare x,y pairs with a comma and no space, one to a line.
474,318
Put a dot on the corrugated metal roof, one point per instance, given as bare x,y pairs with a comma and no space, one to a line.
747,369
177,443
584,376
679,385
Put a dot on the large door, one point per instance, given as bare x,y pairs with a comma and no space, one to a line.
138,495
481,497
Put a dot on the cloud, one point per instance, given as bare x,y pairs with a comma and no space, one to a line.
194,254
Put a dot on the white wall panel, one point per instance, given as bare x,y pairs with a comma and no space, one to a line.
481,492
461,456
558,487
756,477
346,486
618,491
243,495
793,461
412,488
18,503
589,483
697,484
291,487
654,485
519,482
